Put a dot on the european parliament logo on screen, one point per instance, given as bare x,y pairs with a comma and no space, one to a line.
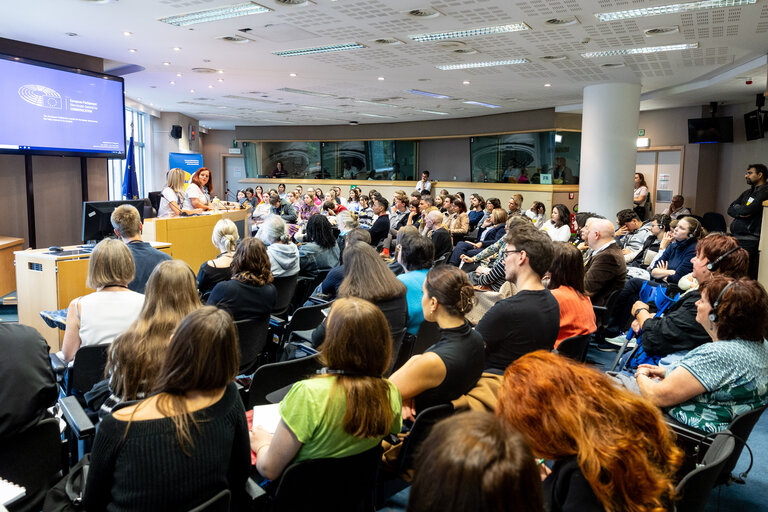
41,96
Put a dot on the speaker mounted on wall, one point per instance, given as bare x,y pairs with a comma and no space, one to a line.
176,131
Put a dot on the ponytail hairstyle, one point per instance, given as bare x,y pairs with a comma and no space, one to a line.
357,349
452,289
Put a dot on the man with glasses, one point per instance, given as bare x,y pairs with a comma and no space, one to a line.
530,319
605,270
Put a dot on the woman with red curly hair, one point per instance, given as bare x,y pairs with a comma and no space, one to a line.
612,449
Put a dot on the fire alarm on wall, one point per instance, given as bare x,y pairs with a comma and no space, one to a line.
192,132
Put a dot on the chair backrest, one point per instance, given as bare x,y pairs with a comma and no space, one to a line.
219,503
305,318
397,342
428,335
154,199
425,420
88,368
603,313
274,376
252,335
345,483
32,459
693,490
741,427
305,286
286,287
575,347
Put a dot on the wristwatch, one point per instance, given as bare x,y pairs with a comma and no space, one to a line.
638,310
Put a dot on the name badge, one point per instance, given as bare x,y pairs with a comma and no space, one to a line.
749,201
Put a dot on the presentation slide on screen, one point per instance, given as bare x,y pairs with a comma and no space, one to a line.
46,108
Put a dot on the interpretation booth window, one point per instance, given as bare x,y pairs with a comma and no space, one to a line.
537,157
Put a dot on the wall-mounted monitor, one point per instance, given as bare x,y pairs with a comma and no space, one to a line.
710,129
49,109
753,125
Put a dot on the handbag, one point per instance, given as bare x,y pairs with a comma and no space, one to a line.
67,494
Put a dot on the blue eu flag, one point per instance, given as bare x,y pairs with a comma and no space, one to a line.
130,180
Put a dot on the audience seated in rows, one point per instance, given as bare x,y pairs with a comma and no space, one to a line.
282,208
380,228
537,214
127,225
348,409
457,221
283,254
137,354
558,227
491,204
611,449
452,366
225,238
96,318
475,461
476,210
415,256
566,282
346,222
605,270
367,277
319,250
189,440
715,382
631,234
530,319
438,234
491,275
489,236
659,227
308,208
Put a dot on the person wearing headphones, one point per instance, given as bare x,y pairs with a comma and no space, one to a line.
716,382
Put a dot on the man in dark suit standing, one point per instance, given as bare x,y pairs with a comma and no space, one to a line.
605,270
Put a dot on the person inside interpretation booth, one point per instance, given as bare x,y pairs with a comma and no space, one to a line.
199,190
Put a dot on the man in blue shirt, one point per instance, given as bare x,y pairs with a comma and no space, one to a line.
127,225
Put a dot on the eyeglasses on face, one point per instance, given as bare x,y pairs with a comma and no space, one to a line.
511,251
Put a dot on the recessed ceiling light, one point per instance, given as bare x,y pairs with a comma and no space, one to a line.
380,78
670,9
219,79
430,94
172,82
432,112
481,104
192,90
547,85
178,74
133,50
319,49
138,99
424,13
487,64
219,13
210,87
554,57
71,34
638,51
221,71
177,48
234,39
127,34
293,75
482,31
466,82
166,63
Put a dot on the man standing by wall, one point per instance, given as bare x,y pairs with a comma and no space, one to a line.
747,213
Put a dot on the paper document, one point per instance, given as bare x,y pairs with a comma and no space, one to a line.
10,492
267,416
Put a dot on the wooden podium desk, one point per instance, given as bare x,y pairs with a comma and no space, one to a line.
8,246
49,281
190,237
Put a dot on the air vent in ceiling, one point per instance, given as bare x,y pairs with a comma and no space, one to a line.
610,65
424,13
291,2
465,51
234,39
563,22
387,41
661,31
204,70
451,44
554,57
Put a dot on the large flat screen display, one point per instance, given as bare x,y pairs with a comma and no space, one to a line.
710,130
50,109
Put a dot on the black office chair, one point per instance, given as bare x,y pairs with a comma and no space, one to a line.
33,460
253,335
345,483
305,286
87,370
219,503
693,490
714,222
154,199
575,347
286,288
300,325
276,376
428,335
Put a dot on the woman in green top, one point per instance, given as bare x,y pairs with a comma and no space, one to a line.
344,411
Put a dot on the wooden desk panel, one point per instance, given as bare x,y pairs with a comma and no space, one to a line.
8,245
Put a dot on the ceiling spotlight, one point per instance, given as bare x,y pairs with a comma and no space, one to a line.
547,85
292,75
210,87
132,50
71,34
172,82
380,78
192,91
220,80
221,71
127,34
466,82
177,48
178,74
166,63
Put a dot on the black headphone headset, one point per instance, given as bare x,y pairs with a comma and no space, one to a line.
713,266
699,456
696,231
713,313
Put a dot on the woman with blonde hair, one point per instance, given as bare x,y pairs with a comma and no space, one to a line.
136,356
225,238
172,196
189,440
345,411
96,319
612,449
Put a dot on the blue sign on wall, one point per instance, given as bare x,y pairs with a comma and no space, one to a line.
187,162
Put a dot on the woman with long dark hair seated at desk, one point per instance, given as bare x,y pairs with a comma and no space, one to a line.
199,191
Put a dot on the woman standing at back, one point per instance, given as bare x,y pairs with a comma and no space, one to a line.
187,442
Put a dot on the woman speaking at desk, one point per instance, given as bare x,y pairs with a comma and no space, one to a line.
199,191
